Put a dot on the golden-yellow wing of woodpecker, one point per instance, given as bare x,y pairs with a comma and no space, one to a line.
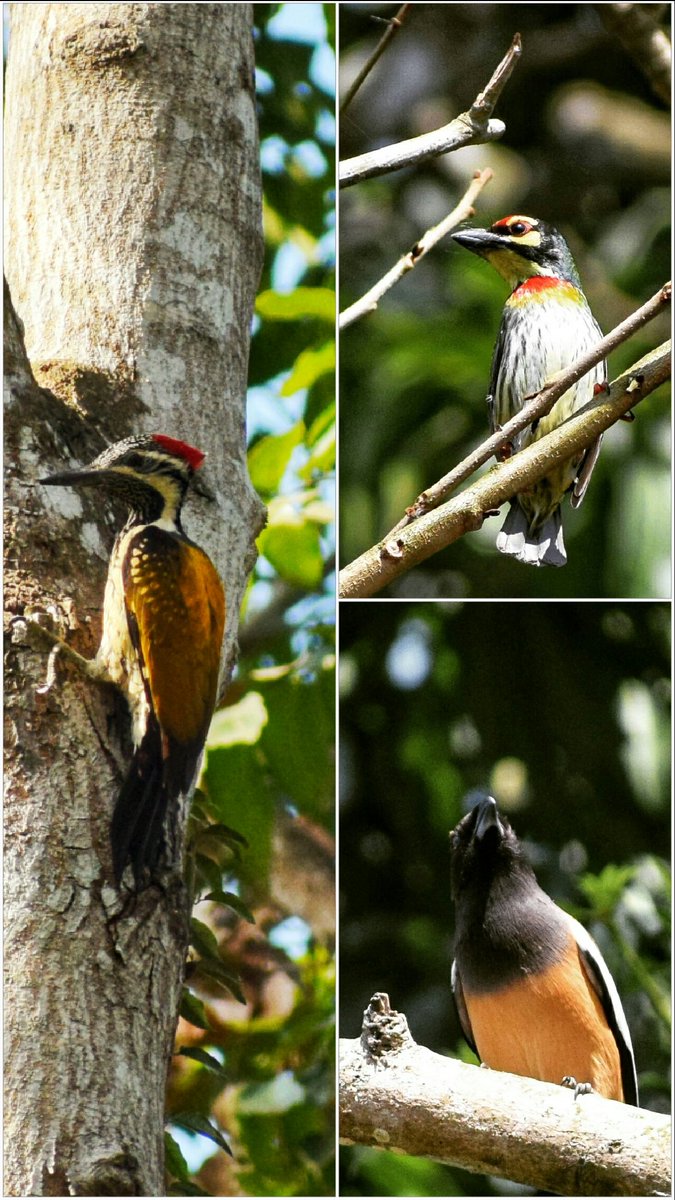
176,612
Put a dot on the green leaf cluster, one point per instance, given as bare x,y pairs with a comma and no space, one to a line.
254,1062
293,348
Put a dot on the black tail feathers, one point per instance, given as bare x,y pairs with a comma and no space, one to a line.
153,785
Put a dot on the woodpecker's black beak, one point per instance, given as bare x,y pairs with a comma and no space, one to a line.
83,478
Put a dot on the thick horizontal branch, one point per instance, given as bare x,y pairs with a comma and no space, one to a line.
535,408
469,128
462,212
464,513
399,1096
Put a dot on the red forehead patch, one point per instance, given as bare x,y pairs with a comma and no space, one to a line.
191,456
514,219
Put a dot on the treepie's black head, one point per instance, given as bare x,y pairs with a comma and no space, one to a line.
484,850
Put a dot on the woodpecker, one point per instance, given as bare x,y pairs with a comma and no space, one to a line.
546,326
163,621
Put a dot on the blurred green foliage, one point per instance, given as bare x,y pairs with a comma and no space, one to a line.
253,1073
586,147
561,711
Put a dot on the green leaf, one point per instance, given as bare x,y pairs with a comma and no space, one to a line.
196,1123
186,1189
310,366
228,834
604,891
239,724
203,939
319,427
240,790
269,457
274,1096
298,741
207,1060
231,900
174,1160
209,873
214,970
294,550
321,440
193,1010
292,306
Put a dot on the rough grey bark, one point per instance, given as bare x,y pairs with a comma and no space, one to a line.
133,254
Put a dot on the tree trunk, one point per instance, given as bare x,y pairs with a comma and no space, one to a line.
133,254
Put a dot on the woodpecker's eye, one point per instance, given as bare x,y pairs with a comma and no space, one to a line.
519,228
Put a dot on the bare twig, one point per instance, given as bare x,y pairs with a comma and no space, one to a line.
393,27
468,128
462,211
464,513
535,408
399,1096
647,44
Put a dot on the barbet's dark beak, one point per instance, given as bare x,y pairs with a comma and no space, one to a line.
480,241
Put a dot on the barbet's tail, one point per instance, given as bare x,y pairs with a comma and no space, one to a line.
543,546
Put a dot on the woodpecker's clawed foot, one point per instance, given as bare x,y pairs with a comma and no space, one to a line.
580,1089
32,631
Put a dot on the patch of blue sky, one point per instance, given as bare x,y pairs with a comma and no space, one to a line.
273,151
322,68
264,84
260,595
291,262
325,246
298,23
288,267
317,609
308,156
275,154
292,936
193,1146
270,412
325,128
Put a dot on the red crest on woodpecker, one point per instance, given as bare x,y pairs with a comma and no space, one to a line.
194,458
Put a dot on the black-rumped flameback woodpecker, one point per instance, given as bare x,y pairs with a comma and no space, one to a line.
546,326
163,621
